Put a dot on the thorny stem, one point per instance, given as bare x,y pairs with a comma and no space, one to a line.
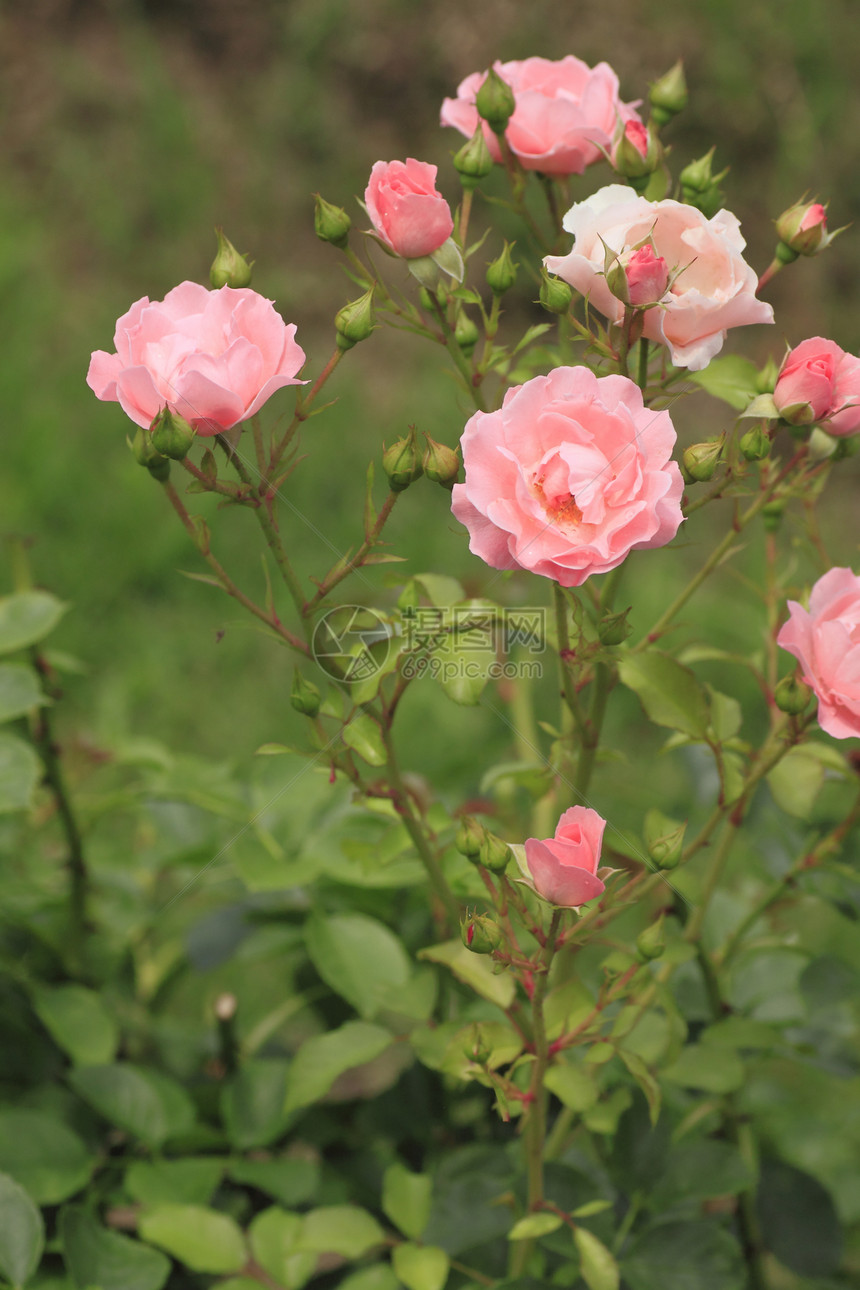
303,405
343,570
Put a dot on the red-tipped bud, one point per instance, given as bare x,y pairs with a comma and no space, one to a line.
480,934
802,230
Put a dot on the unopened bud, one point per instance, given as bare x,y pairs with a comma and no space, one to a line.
495,102
755,444
305,696
476,1048
700,460
331,223
700,187
802,229
441,463
555,294
481,934
651,943
772,513
766,378
614,628
495,853
145,455
469,837
792,695
668,95
229,268
355,321
636,152
502,273
171,435
473,162
664,839
402,462
466,332
647,275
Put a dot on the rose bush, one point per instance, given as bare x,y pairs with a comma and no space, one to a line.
819,382
564,867
712,286
406,211
213,357
568,476
566,112
825,639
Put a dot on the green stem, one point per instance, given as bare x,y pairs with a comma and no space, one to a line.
465,212
303,405
568,688
341,570
591,742
642,378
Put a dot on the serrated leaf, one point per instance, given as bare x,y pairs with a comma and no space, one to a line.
203,1239
406,1199
26,618
420,1267
597,1267
320,1060
668,691
22,1233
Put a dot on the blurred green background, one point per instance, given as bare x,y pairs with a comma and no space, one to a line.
131,129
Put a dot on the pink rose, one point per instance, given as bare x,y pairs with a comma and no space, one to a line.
565,113
826,641
647,276
713,287
564,868
406,211
568,476
213,357
818,381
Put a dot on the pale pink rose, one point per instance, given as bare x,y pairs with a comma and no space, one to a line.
713,287
826,641
565,113
818,381
647,276
564,868
405,209
566,478
213,357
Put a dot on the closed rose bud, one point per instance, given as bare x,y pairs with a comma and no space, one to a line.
355,321
792,695
555,294
700,187
668,95
664,839
755,444
441,463
476,1048
502,273
331,223
466,332
469,837
772,513
171,435
145,455
647,277
636,153
495,853
473,162
651,944
402,462
495,102
480,934
766,378
614,628
229,268
700,460
305,696
802,229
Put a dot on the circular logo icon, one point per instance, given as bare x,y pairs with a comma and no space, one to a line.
351,643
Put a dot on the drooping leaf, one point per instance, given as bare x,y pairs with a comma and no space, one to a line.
363,735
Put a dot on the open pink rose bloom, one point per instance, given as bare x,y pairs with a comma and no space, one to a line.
566,112
564,867
406,210
571,474
825,639
712,288
819,382
213,357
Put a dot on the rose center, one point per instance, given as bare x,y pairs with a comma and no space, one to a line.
561,508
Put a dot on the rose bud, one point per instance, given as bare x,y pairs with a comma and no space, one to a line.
305,696
668,95
502,273
171,435
408,214
755,444
145,455
355,321
636,153
647,277
480,934
792,696
651,944
700,188
494,854
495,102
441,463
614,628
664,839
331,223
229,268
466,332
477,1049
564,868
700,460
802,230
819,382
555,294
402,462
473,162
469,837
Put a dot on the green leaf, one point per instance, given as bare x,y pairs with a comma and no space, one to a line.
763,405
441,590
730,378
44,1155
533,1226
201,1238
679,1256
290,1179
796,781
252,1103
340,1229
20,773
644,1079
148,1104
22,1232
377,1277
79,1022
19,691
26,618
322,1059
668,691
572,1085
406,1199
707,1067
474,970
700,1170
190,1181
420,1267
726,715
741,1032
461,664
96,1256
363,735
597,1266
358,957
274,1236
798,1220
